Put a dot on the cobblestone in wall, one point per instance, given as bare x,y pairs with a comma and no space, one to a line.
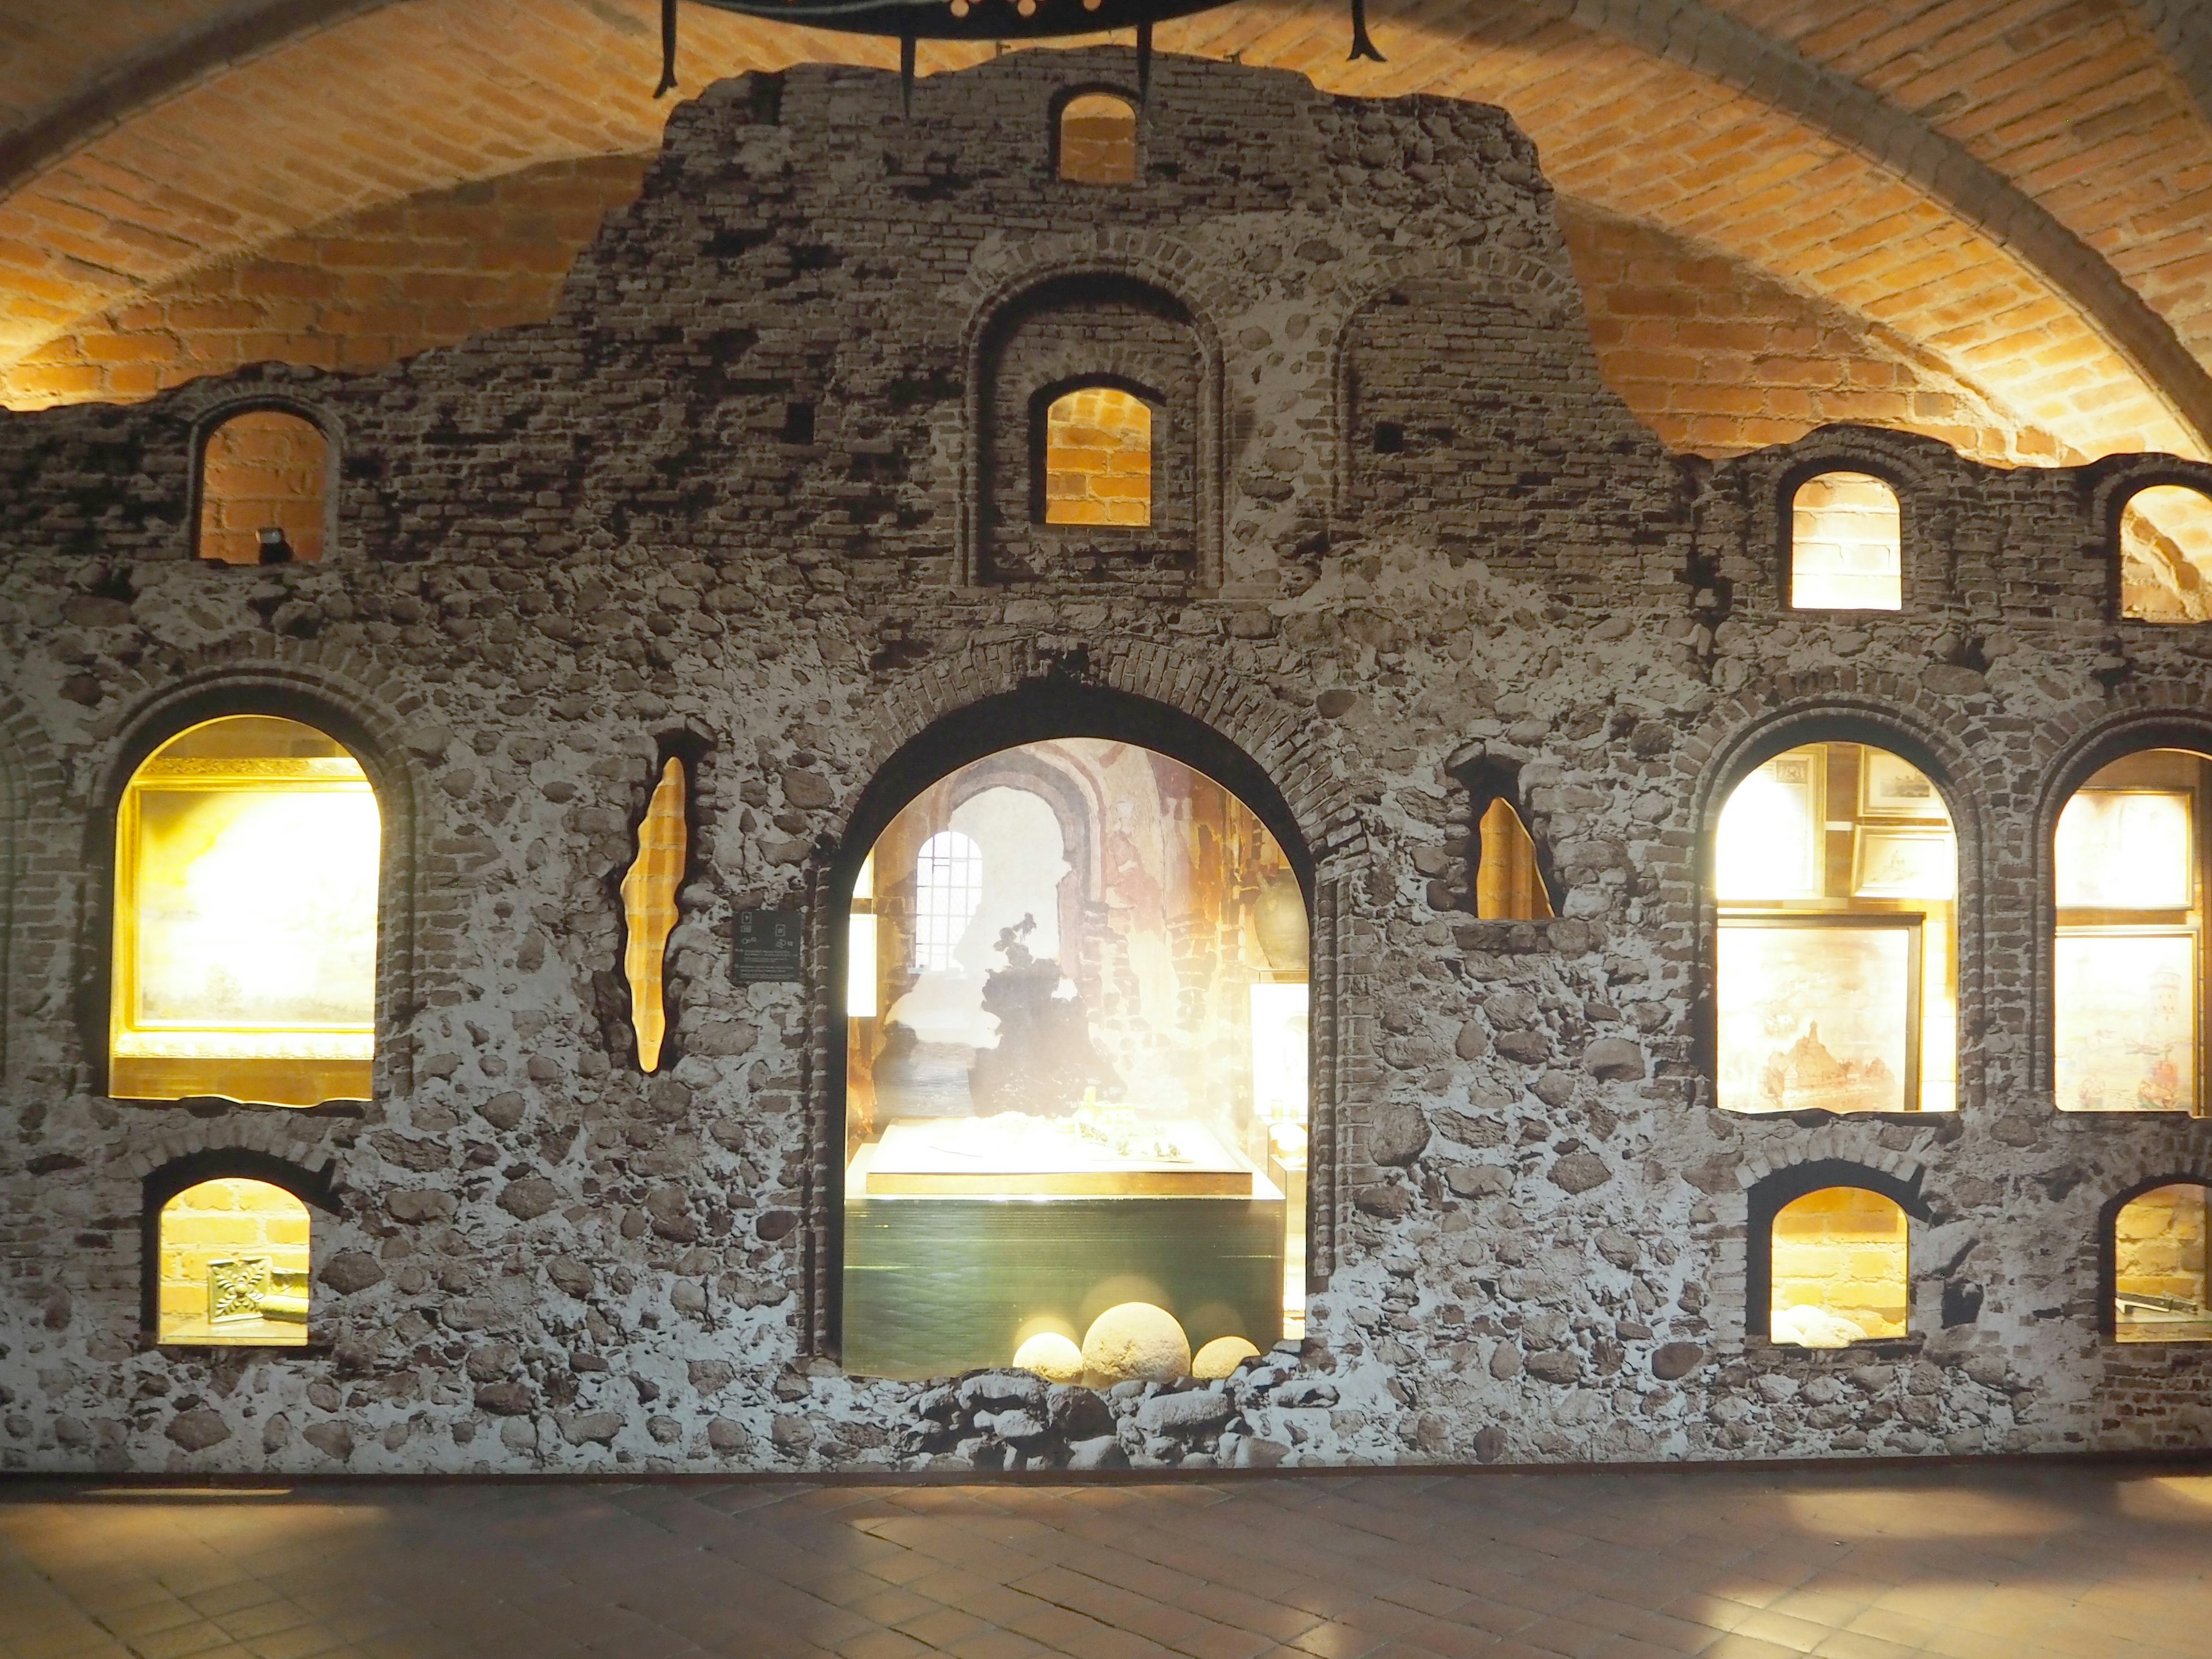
559,547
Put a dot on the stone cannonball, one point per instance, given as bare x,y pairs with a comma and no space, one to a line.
1220,1358
1135,1342
1052,1357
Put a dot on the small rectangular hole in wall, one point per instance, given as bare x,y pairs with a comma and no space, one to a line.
798,423
1389,439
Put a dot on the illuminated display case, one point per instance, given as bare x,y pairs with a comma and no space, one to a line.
1077,1031
245,941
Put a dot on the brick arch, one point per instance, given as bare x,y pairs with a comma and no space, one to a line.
1884,710
2161,715
2192,1169
1552,297
1323,812
1152,261
1766,1196
338,691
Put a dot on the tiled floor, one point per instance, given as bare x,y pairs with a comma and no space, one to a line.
2005,1563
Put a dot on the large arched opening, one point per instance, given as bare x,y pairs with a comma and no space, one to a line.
1076,1116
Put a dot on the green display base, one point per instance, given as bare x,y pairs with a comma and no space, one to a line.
938,1285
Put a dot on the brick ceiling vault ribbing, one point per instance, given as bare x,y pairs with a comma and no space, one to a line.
2005,239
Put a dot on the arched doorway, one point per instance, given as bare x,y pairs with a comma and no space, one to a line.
1075,1091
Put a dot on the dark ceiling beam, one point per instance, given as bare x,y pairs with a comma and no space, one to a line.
174,66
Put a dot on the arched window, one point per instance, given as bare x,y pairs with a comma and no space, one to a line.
2165,555
263,483
1846,544
1098,449
233,1257
1835,868
1084,1152
2128,982
1097,140
244,935
948,886
1838,1269
2161,1257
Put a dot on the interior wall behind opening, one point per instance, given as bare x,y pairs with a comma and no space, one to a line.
1076,1073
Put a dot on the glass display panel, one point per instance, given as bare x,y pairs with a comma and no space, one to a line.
1821,1013
2125,1036
233,1266
1098,140
2126,850
1098,458
1835,868
1509,886
244,959
648,895
1839,1269
2162,1276
1076,1089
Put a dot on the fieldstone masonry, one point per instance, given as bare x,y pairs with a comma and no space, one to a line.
741,492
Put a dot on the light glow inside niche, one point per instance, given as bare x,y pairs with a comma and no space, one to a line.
245,941
649,893
1076,1105
1098,458
233,1266
1836,985
2128,974
1840,1273
2162,1266
1846,544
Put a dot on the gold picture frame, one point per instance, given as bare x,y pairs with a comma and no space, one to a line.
1819,1012
1905,861
2127,1026
1891,786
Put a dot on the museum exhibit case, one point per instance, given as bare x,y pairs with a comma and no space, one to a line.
1076,1016
244,918
234,1267
2128,861
2162,1266
1835,870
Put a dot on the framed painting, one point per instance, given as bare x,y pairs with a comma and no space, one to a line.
2126,850
1819,1012
1891,786
2125,1034
1904,862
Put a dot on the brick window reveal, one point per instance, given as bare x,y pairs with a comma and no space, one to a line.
263,489
1097,140
1846,544
1098,458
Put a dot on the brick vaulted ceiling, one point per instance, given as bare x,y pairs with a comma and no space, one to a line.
1983,218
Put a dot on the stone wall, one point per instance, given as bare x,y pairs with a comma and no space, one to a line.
557,549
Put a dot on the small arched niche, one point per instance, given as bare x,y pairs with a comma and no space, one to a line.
1839,1272
245,941
1846,544
1076,1082
2160,1251
1835,873
232,1266
1095,464
264,489
2129,864
2165,555
1094,139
